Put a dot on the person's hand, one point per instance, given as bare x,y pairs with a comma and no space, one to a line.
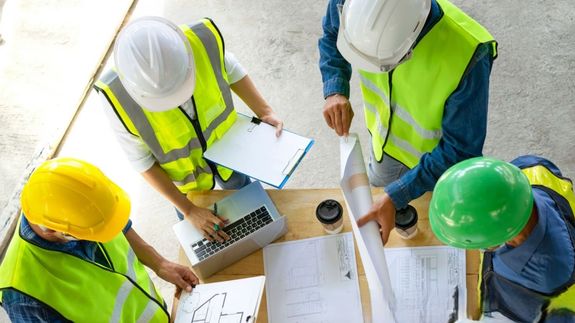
383,212
179,275
338,113
205,221
273,119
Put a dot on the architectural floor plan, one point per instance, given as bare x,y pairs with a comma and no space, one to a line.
313,280
234,301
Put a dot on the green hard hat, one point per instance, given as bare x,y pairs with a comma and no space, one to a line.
480,203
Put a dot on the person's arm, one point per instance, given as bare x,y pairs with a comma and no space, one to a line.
142,160
137,152
201,218
179,275
247,91
463,134
335,73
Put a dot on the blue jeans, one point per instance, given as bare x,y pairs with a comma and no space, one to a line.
384,173
235,182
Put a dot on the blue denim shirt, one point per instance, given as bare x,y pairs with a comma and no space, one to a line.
23,308
545,261
464,122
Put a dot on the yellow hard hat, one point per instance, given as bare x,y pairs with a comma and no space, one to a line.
74,197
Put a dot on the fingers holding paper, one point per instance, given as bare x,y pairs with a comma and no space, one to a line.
272,118
338,114
383,212
179,275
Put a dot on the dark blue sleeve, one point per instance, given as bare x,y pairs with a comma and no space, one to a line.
532,160
464,127
560,317
21,308
335,70
127,227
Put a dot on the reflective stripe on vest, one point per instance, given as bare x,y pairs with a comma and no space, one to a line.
98,293
561,191
407,123
541,176
171,135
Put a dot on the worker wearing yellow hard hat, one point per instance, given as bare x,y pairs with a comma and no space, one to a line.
169,99
424,69
75,257
521,214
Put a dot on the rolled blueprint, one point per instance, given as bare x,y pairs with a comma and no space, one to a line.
357,193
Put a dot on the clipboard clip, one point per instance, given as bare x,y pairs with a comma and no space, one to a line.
254,122
292,162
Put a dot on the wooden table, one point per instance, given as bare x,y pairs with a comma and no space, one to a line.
298,205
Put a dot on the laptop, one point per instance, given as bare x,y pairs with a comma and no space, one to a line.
254,222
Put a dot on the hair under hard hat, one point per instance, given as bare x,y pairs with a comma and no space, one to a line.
155,63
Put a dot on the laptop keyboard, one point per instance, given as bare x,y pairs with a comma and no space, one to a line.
237,231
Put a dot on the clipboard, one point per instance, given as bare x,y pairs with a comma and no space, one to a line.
251,147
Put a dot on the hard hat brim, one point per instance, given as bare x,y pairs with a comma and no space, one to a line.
350,55
173,100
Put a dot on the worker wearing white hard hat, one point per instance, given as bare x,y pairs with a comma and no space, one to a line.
424,68
169,99
75,257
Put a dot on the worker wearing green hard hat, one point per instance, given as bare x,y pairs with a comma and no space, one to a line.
521,215
481,193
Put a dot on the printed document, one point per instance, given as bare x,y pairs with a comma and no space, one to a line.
251,147
357,193
232,301
313,280
422,284
429,283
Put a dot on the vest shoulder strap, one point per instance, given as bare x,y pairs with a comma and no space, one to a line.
467,23
540,175
210,24
117,96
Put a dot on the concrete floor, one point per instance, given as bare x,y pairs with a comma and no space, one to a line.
531,103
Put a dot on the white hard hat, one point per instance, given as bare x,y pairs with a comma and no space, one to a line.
155,63
378,35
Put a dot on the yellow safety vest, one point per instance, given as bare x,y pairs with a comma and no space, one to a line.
81,290
176,141
404,107
513,300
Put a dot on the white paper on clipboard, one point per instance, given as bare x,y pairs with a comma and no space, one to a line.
252,148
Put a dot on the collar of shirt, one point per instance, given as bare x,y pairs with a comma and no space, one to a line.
188,106
81,248
435,13
545,261
516,257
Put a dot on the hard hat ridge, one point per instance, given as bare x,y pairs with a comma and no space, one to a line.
377,35
155,63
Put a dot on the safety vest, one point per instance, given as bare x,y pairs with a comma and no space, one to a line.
176,141
81,290
404,107
520,304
